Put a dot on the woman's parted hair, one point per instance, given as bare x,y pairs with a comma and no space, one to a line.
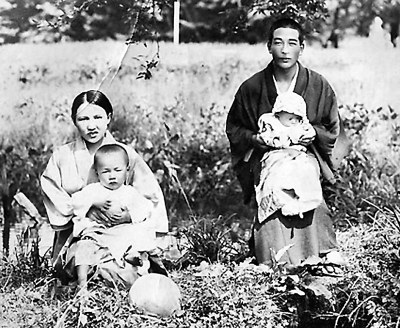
288,23
95,97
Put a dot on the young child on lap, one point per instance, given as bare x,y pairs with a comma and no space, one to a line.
290,178
114,199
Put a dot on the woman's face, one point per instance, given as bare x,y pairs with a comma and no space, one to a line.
92,122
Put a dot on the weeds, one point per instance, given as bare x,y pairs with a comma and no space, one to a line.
370,293
180,134
212,240
25,266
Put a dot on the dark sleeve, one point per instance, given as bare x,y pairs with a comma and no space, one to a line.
328,128
238,129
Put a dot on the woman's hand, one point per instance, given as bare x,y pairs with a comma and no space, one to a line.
109,219
102,204
122,216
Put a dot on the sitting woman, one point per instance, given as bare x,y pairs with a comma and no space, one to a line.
70,169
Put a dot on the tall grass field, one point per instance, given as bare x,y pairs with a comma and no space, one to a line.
175,118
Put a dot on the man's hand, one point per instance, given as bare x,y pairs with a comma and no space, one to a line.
259,143
307,138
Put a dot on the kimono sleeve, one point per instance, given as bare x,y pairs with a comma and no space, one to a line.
327,131
140,208
56,200
143,179
238,129
83,200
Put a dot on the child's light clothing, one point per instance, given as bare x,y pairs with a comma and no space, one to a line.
138,235
276,135
290,176
289,181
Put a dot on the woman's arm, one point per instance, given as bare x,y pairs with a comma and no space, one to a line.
56,200
107,218
143,179
140,207
83,200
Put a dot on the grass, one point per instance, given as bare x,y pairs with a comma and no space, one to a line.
225,295
197,75
190,92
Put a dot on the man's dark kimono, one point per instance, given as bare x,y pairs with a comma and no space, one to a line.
255,97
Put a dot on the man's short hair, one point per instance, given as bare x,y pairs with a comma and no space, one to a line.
110,149
285,23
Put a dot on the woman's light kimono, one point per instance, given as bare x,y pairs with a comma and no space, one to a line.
69,170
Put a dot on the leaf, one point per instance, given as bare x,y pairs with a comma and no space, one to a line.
281,252
148,144
82,319
179,313
294,277
319,289
297,291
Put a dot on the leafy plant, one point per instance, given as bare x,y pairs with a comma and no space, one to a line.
363,180
369,294
208,239
25,266
20,167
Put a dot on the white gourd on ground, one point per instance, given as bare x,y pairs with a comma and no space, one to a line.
156,294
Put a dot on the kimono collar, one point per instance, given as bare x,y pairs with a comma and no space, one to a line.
299,86
292,83
84,160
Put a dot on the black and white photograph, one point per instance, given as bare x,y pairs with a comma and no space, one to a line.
199,163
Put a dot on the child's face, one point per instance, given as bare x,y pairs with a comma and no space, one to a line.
112,170
289,119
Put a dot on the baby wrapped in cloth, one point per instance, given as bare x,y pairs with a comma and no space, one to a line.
290,175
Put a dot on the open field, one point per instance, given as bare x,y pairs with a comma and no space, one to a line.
191,76
190,91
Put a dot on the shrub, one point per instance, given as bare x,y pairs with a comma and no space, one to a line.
222,240
364,182
25,266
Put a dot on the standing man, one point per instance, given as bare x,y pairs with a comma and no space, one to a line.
312,235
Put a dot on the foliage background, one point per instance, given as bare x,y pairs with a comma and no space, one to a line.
176,121
201,20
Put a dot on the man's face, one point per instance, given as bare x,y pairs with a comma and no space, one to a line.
285,47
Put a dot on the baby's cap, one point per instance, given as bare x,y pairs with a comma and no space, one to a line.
290,102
